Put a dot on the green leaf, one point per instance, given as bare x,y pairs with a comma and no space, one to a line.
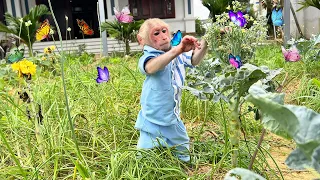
84,173
240,173
316,82
298,122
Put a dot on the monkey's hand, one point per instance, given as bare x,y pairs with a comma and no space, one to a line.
188,43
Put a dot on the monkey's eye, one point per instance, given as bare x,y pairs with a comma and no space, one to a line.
164,30
156,33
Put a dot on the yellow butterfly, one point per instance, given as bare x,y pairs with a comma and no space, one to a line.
43,30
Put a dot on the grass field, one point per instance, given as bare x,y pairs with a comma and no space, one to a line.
98,140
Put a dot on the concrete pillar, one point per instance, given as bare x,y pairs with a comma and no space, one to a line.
286,17
103,34
189,19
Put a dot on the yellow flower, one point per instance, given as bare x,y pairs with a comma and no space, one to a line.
16,67
45,50
43,58
49,50
52,48
24,67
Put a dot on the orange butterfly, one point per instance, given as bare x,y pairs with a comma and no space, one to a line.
43,30
84,27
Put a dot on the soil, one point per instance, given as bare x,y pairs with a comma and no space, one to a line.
280,148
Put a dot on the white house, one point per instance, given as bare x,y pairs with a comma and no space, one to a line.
179,14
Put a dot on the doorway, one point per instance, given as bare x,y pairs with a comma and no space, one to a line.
86,10
74,9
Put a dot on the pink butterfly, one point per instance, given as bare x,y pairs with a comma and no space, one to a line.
235,61
291,54
123,16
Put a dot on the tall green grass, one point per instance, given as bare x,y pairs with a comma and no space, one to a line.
104,116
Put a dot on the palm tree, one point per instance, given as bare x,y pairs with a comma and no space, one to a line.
216,7
122,31
17,27
307,3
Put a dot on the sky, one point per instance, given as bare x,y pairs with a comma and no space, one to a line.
199,10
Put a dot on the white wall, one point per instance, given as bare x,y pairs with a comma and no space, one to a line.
32,3
183,21
122,4
309,20
9,7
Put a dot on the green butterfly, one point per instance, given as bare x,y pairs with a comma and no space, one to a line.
16,54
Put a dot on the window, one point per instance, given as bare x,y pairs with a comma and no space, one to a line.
2,10
144,9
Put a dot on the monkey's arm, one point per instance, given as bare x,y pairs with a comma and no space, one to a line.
198,54
157,63
187,43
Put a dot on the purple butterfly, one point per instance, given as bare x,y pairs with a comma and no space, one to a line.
291,54
237,18
235,61
103,75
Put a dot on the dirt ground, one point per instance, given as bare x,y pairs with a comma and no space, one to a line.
280,148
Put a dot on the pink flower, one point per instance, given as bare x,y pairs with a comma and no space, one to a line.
123,16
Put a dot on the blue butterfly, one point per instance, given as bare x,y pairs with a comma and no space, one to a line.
276,17
235,61
175,41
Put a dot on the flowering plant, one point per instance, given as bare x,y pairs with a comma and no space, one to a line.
124,28
48,61
25,68
231,41
231,34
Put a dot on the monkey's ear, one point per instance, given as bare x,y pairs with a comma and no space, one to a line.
140,40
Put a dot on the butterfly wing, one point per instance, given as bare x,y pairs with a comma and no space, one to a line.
43,31
125,11
125,18
276,17
232,16
103,75
240,22
176,38
293,54
239,14
232,61
116,12
84,27
238,59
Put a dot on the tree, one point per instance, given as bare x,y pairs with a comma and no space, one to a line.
216,7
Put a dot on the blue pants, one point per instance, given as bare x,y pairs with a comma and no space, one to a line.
153,135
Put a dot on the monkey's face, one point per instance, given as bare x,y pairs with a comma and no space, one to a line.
160,38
